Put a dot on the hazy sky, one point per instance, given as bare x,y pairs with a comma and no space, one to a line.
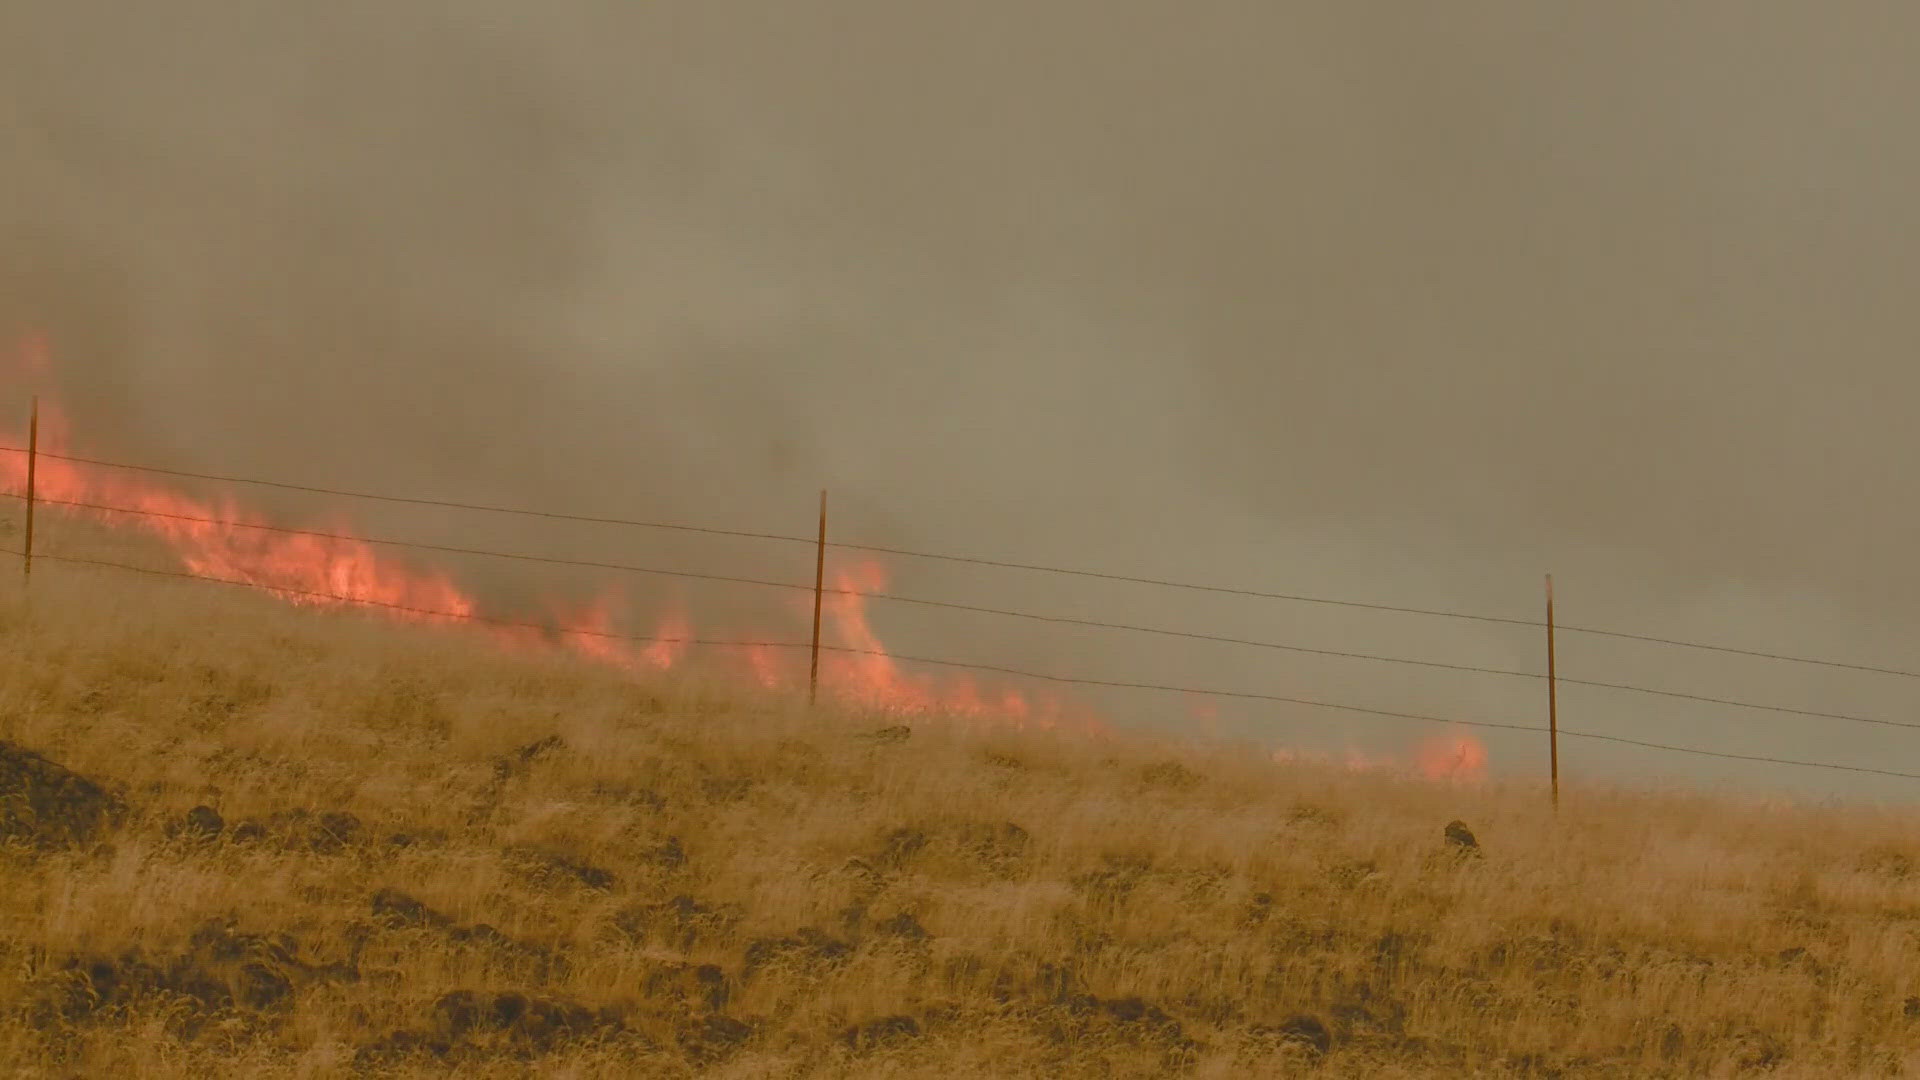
1400,303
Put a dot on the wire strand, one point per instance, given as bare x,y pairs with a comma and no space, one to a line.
1008,671
891,597
1004,564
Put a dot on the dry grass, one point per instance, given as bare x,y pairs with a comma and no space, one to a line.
695,882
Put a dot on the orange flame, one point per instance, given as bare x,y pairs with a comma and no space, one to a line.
345,571
1453,756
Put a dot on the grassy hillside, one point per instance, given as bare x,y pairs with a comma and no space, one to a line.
427,858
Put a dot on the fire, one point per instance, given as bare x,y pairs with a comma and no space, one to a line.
299,569
212,538
1453,756
862,672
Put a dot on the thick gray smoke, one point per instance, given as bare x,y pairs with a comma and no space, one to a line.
1402,303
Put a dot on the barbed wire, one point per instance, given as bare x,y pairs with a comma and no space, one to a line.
808,540
835,591
1021,673
980,609
978,561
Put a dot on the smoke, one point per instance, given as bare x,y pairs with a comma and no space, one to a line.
1399,304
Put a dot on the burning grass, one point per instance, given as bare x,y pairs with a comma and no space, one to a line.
422,856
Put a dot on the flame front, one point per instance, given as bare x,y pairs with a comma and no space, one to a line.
224,541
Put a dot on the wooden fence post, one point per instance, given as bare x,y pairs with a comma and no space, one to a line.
819,581
1553,704
33,461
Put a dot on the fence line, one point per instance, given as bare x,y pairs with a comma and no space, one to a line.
997,669
818,589
978,609
971,560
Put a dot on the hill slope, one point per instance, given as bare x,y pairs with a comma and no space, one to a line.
420,856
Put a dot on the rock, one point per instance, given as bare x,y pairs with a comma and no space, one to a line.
895,734
335,830
47,804
1308,1032
1461,837
904,926
205,822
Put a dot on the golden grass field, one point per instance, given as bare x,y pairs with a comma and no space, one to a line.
435,859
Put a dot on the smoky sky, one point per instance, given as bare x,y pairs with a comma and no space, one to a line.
1404,303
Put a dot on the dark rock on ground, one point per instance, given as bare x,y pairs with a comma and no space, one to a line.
895,734
220,969
1306,1031
205,822
47,805
905,927
1461,837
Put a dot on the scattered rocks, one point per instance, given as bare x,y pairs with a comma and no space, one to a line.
48,805
1461,837
898,733
221,969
